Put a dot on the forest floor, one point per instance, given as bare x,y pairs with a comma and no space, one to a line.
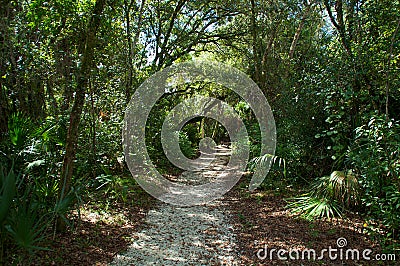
228,231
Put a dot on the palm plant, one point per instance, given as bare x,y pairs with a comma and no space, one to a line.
29,202
328,196
310,207
266,159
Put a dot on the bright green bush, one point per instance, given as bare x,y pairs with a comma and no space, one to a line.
375,154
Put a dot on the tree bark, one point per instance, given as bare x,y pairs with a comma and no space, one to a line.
132,44
4,41
161,56
257,67
298,31
339,23
75,116
128,85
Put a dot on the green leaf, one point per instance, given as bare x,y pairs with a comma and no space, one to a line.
7,193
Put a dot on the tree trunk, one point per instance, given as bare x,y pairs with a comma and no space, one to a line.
82,82
298,31
257,67
338,23
3,112
128,84
132,43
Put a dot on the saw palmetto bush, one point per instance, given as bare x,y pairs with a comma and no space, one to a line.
29,202
341,186
328,196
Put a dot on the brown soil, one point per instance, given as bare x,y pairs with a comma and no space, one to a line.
262,222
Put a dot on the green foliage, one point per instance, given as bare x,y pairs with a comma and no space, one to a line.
276,178
186,145
311,207
18,129
29,186
261,161
253,131
375,154
328,196
22,219
340,186
26,228
7,193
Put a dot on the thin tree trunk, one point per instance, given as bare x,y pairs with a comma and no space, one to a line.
161,56
5,19
298,31
202,133
93,129
132,44
3,112
82,82
339,23
257,67
128,85
269,45
139,25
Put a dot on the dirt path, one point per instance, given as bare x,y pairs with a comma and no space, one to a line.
198,235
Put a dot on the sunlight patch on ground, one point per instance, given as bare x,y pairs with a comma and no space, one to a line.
182,236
